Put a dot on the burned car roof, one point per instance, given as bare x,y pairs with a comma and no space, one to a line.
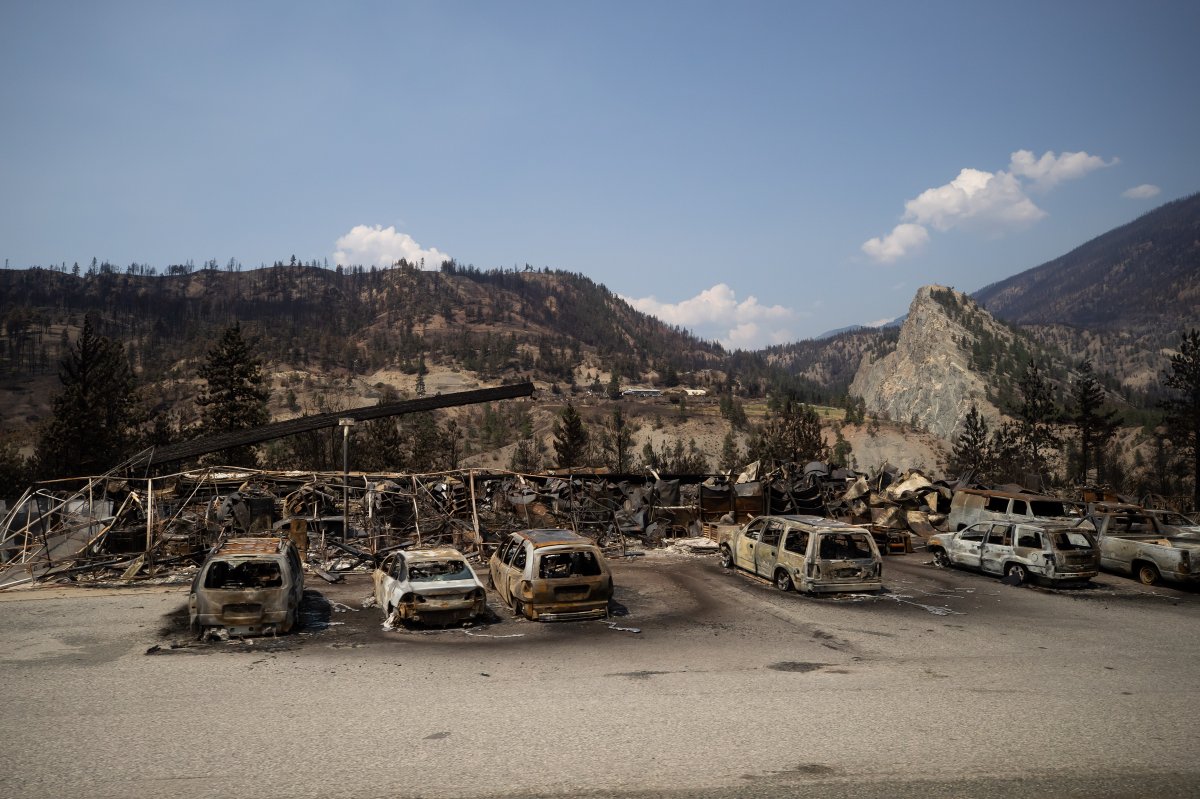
815,521
1005,494
552,537
251,546
441,553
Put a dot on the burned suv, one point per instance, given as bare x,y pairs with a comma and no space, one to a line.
1059,554
248,586
808,553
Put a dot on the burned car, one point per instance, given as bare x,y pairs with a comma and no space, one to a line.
434,586
1059,554
552,575
248,586
809,553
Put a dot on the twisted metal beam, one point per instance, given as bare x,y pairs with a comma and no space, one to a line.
303,424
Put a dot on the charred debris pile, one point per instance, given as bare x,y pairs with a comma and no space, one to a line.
118,529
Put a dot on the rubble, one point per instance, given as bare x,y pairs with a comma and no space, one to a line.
694,546
123,530
111,528
895,507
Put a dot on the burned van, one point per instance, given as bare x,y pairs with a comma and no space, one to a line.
248,586
973,505
552,575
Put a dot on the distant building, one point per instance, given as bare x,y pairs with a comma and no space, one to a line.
641,392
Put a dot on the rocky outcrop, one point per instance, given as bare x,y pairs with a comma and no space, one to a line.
927,381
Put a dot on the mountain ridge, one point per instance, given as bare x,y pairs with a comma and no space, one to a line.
1121,298
323,325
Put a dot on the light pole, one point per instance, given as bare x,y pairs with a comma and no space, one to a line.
346,424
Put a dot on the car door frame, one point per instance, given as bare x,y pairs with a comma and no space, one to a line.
497,567
747,542
967,553
766,554
383,586
993,554
796,560
512,574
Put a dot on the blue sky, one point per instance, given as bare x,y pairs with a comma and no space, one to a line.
757,172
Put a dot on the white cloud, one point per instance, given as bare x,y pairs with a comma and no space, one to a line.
988,202
744,337
1051,169
1142,192
383,246
903,239
995,200
716,313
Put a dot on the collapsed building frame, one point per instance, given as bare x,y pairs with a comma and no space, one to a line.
121,528
134,525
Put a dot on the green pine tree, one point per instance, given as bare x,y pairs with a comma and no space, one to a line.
793,435
731,456
14,471
614,386
422,370
970,452
1006,460
96,413
426,452
1038,415
617,442
842,451
234,396
528,455
737,414
379,445
1183,408
1095,425
691,461
571,438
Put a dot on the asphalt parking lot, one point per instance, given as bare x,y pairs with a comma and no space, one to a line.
668,596
704,682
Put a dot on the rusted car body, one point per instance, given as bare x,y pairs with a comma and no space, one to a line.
809,553
1059,554
248,586
434,586
552,575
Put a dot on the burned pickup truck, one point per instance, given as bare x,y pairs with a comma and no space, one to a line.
809,553
248,586
1135,543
